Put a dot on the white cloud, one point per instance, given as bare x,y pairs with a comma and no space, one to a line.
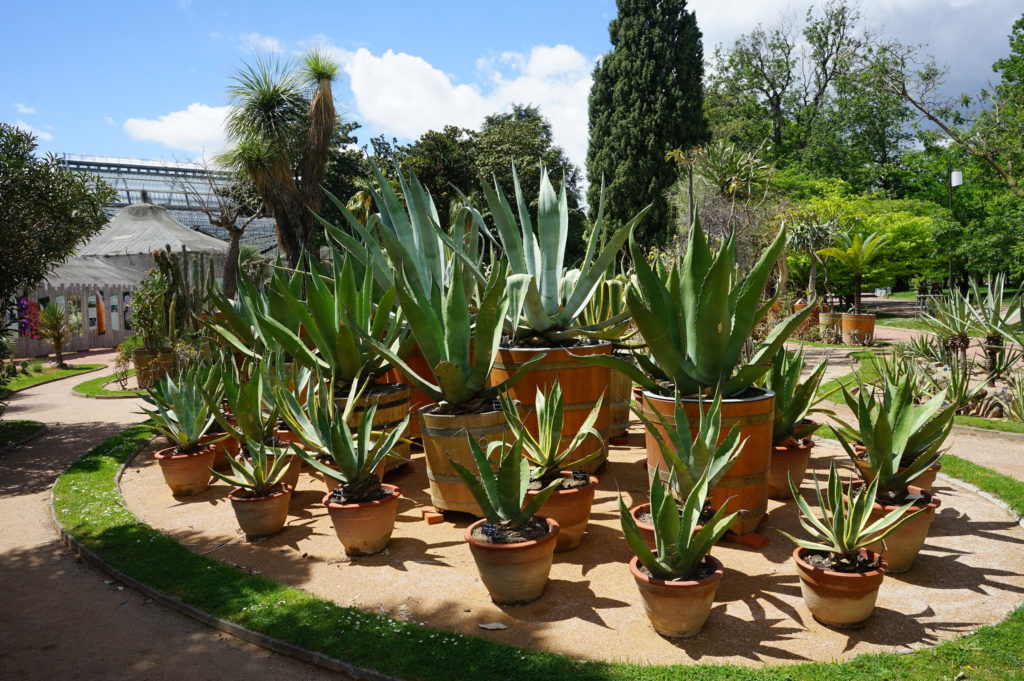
197,129
555,78
41,134
24,109
257,42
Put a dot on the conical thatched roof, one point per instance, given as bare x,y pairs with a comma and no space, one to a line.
141,228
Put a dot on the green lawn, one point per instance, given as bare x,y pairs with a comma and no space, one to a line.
88,506
95,387
865,368
22,381
903,323
1003,425
17,429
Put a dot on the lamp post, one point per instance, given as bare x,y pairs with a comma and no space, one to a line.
956,178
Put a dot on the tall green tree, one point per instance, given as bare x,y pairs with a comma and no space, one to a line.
46,211
646,100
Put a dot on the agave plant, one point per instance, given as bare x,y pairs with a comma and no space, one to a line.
856,251
951,319
609,302
180,412
238,321
501,493
844,527
692,458
259,472
322,426
546,299
249,398
698,320
1013,397
794,399
544,450
458,345
901,439
680,548
990,319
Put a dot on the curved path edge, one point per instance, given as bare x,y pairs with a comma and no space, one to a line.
276,645
9,393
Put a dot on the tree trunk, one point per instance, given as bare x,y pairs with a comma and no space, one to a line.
812,279
993,346
231,264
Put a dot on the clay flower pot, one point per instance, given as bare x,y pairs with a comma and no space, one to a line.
223,450
788,462
927,479
903,545
365,528
839,599
677,609
261,516
571,508
646,529
514,573
186,474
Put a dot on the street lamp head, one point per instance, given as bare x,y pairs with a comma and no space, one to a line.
956,178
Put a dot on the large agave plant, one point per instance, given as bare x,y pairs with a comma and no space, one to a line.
794,399
179,411
546,299
698,320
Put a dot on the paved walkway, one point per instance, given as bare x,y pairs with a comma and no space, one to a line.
61,619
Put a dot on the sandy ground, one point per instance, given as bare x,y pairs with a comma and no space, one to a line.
60,618
968,575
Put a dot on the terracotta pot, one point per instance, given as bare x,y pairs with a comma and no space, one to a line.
514,573
620,393
830,326
186,474
151,365
446,436
858,329
788,462
902,546
365,528
646,529
222,450
745,485
839,599
582,385
677,609
261,516
927,479
571,508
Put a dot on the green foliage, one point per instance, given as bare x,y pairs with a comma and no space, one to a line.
697,323
895,433
190,278
656,48
57,325
545,298
794,400
843,527
680,548
153,312
323,427
247,394
258,470
544,450
46,211
180,412
856,252
501,493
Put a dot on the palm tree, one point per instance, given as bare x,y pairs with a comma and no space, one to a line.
57,324
812,230
856,252
281,138
361,203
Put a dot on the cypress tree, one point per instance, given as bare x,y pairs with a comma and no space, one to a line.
646,100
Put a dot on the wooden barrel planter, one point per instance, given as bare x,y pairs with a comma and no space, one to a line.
747,479
582,385
447,436
830,326
417,399
620,393
858,329
392,400
152,365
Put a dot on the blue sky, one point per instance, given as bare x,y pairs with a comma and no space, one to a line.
146,79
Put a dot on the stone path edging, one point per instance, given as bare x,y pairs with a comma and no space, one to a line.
276,645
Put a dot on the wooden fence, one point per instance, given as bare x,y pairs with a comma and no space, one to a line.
102,311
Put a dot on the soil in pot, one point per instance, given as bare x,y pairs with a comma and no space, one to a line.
838,593
186,474
364,527
645,521
789,461
261,516
570,506
679,609
514,571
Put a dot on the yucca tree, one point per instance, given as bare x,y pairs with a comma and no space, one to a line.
697,320
951,318
856,251
992,314
546,298
281,137
57,324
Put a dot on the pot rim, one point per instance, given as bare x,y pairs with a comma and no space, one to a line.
160,455
426,410
883,566
934,501
396,492
764,394
635,512
553,529
859,314
805,444
511,348
286,489
592,482
715,576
